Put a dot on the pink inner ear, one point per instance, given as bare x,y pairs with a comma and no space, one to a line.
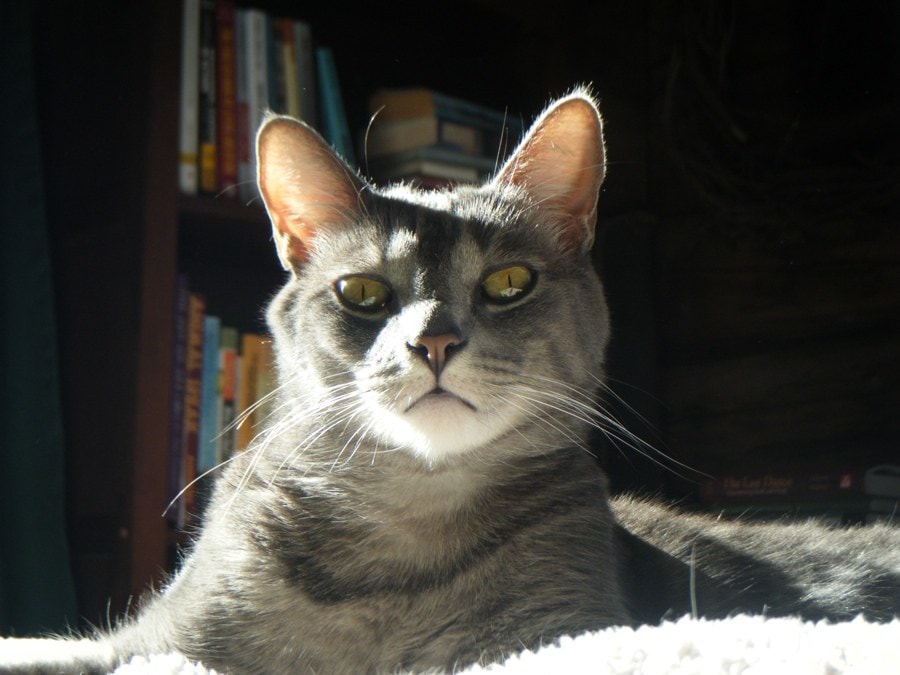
561,165
305,186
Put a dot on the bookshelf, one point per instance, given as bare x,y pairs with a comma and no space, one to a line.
224,246
121,231
125,232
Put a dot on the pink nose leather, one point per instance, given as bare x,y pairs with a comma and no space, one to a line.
436,348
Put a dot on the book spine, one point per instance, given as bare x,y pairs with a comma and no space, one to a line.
265,382
242,97
418,170
207,103
412,103
226,98
883,480
397,104
228,379
780,484
257,88
247,395
275,67
259,69
209,395
487,121
176,429
188,138
334,118
288,60
434,162
472,114
423,132
306,72
193,385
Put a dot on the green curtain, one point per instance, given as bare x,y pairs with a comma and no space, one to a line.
36,590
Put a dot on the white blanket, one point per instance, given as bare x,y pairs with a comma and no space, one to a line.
742,644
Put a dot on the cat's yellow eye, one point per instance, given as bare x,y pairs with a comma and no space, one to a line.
508,284
364,293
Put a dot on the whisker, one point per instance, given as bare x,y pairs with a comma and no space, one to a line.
543,420
196,480
581,404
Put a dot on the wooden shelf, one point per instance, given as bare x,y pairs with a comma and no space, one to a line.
222,210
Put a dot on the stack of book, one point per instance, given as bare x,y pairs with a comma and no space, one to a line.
434,140
850,496
236,64
221,394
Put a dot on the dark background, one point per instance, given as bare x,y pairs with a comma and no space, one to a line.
749,226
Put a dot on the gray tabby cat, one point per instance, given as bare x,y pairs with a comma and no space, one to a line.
424,497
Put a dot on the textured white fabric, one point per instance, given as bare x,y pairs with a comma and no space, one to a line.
751,645
742,644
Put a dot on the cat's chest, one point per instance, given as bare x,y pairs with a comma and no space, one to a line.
409,574
336,549
399,596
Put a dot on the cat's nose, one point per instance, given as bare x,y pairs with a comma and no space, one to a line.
436,349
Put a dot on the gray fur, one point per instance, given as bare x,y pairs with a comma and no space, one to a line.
369,529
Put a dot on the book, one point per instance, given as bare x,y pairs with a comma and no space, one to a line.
431,162
432,139
266,383
410,103
416,132
237,64
334,118
253,93
274,74
242,101
228,386
289,79
306,72
210,424
255,384
274,67
192,404
780,483
175,514
883,480
206,127
226,99
188,175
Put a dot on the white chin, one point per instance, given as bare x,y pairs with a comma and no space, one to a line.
440,427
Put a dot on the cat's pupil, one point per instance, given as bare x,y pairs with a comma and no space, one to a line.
363,293
508,284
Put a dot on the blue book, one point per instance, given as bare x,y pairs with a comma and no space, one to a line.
334,117
209,395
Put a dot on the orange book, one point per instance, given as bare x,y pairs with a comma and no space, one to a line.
256,381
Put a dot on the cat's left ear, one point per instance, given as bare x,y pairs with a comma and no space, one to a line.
306,187
561,164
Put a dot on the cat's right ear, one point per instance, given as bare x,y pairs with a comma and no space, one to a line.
306,187
561,164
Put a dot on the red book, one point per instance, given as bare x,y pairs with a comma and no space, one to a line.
226,99
207,103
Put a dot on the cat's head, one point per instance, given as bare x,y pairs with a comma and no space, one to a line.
444,323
